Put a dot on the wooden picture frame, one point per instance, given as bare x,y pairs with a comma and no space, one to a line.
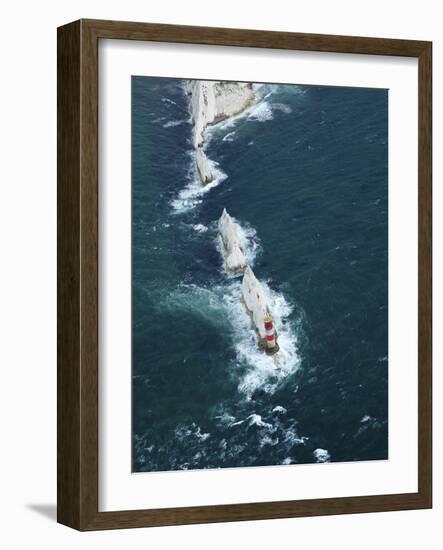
78,274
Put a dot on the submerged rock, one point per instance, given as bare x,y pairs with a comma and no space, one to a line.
231,241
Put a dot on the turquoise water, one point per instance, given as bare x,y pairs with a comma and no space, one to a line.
304,172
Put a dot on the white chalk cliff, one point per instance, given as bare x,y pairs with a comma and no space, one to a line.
210,103
232,243
255,300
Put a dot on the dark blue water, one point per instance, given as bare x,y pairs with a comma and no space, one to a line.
305,174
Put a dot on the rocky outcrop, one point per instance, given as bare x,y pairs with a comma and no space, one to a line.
202,107
203,166
231,242
210,103
256,301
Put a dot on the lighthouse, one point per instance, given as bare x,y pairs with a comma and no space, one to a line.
271,341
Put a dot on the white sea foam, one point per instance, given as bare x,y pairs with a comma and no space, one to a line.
262,112
261,371
252,242
167,100
222,306
322,455
191,431
192,195
229,136
238,423
282,107
292,438
268,440
173,123
256,420
225,419
200,228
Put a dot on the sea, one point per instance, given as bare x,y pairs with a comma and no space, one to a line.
304,172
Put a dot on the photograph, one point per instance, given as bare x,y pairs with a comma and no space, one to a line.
259,274
220,288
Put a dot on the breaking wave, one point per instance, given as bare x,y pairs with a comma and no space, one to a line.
200,228
222,307
262,112
167,100
192,195
229,136
261,371
173,123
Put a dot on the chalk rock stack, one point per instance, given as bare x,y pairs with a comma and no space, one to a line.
210,103
254,296
232,243
256,301
203,166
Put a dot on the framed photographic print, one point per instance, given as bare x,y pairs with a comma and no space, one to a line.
244,275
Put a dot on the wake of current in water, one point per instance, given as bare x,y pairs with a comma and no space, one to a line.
204,396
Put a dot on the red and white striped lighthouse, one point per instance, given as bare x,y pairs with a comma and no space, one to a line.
271,341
